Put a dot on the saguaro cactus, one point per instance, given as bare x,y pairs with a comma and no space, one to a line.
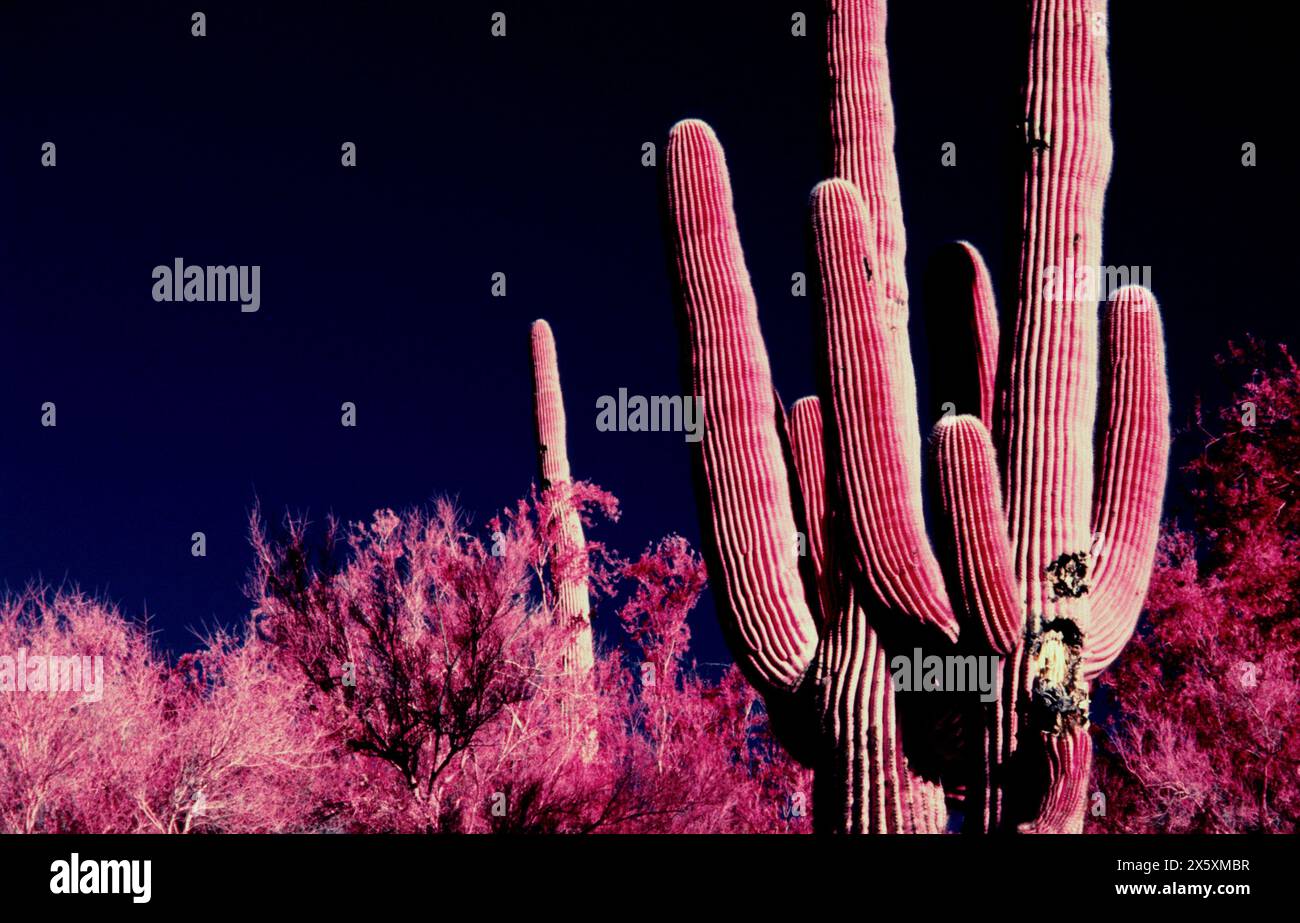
1035,563
567,567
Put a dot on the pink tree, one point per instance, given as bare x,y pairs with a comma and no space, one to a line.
436,663
421,645
708,747
66,763
219,743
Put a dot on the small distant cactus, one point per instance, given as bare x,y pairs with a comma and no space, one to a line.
572,606
1045,538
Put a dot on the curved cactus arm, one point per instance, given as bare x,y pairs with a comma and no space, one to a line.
807,449
1052,386
981,574
873,398
750,528
1132,460
963,369
572,598
873,385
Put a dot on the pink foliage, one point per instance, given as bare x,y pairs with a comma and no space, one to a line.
403,674
217,742
455,715
1207,694
708,746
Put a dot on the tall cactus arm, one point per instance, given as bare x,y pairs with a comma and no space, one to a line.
963,369
1052,386
862,133
750,528
873,394
1132,460
807,448
873,387
569,584
981,574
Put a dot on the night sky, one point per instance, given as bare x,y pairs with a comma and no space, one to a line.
521,155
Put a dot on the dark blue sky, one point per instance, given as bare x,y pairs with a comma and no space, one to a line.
479,155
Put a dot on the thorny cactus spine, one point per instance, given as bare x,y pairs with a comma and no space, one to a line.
1021,521
568,581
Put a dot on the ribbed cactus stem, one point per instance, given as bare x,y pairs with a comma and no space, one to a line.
807,445
1068,762
862,138
959,300
1132,461
1052,384
572,603
981,578
875,428
749,526
1050,411
864,782
868,785
869,359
